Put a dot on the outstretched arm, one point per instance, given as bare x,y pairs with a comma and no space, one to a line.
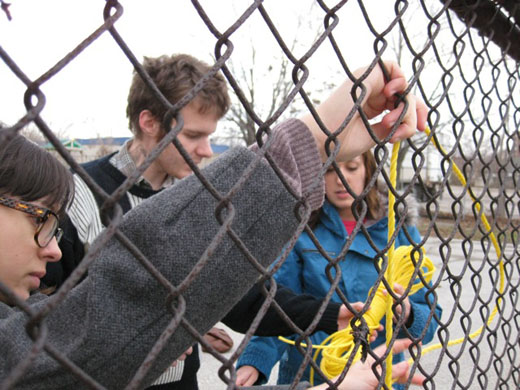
121,310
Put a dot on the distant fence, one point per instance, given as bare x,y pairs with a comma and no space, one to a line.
463,58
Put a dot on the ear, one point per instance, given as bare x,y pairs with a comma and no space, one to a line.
150,126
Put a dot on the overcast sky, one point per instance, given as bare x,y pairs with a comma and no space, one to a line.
88,98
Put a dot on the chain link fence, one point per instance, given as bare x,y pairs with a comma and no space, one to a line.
463,61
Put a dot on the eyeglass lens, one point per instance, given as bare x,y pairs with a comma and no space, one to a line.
48,230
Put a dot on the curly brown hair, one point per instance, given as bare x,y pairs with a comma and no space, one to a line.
175,76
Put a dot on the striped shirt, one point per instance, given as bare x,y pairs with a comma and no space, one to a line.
84,211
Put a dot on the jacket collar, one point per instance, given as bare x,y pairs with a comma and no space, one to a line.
332,221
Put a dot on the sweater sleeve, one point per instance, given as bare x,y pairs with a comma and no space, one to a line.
121,310
294,151
301,308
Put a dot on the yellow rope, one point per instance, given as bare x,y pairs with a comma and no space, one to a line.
337,348
390,275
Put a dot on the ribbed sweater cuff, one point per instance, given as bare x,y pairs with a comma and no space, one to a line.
295,152
329,321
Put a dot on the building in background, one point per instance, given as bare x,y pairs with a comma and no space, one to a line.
88,149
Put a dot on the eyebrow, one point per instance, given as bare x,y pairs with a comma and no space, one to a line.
196,131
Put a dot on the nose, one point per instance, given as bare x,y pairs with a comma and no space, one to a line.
204,149
52,251
344,174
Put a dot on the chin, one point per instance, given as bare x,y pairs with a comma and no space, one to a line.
343,204
185,172
23,295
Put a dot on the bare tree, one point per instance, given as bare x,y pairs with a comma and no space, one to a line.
265,87
105,146
34,134
281,88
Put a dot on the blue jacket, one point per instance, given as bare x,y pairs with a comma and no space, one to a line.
304,272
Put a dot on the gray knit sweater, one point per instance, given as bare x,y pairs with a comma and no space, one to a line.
109,322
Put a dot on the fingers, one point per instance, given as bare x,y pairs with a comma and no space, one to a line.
381,98
417,379
394,87
345,315
357,306
413,120
373,334
401,372
398,289
422,114
189,351
247,376
417,112
400,345
408,125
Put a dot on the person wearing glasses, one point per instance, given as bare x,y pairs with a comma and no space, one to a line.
117,314
29,208
26,275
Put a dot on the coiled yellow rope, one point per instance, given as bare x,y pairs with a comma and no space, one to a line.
337,348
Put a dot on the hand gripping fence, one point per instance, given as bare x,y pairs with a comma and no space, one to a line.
462,58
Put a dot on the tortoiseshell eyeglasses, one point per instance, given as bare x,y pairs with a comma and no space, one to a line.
46,220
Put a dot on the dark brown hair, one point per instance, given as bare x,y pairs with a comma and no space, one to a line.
30,173
175,76
372,197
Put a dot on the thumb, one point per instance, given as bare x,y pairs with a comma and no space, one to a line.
398,289
357,306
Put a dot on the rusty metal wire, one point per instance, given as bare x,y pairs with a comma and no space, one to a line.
463,60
